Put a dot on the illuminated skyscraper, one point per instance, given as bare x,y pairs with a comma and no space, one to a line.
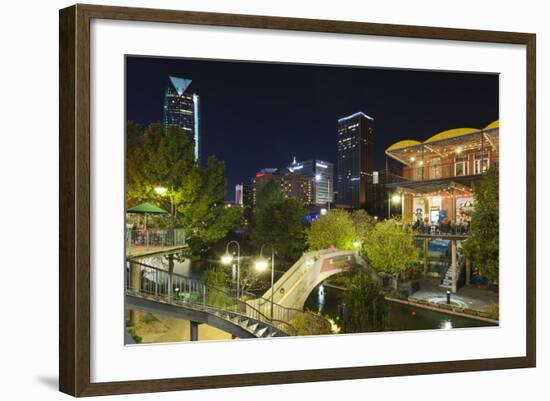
181,109
321,173
355,159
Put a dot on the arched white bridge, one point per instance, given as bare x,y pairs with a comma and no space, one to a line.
294,287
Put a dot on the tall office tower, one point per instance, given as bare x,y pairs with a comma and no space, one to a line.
355,159
181,108
248,194
322,176
239,194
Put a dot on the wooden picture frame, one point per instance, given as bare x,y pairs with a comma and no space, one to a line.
74,203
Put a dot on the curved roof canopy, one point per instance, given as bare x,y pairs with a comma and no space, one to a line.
493,125
451,133
448,134
406,143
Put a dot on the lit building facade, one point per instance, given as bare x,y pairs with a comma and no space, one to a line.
243,194
181,109
321,174
293,185
435,191
438,175
355,159
239,194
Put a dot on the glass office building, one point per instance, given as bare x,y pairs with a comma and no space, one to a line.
181,109
322,176
355,159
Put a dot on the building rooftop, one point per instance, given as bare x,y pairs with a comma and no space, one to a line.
443,143
359,113
180,84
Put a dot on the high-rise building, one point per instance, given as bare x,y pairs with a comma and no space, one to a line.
181,109
248,195
239,194
377,194
243,194
321,173
293,185
355,159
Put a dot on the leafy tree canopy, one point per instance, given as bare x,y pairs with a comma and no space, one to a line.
159,157
363,224
483,244
307,324
335,228
365,305
391,247
279,221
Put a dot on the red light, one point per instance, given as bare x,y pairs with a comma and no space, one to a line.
258,175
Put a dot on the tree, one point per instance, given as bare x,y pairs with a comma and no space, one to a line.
335,228
308,324
250,280
483,246
279,221
165,158
391,248
363,224
218,281
365,304
270,193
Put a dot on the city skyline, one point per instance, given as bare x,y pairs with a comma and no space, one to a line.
301,105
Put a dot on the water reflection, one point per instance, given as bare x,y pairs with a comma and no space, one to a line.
446,324
321,297
326,300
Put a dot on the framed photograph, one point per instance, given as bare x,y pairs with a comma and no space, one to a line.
249,200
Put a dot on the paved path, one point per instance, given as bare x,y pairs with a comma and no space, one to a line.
475,297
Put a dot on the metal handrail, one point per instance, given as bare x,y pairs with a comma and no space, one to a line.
155,237
180,289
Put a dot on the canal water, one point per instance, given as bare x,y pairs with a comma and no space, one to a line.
325,300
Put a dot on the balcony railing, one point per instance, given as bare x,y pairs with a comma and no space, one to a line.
156,238
439,171
460,229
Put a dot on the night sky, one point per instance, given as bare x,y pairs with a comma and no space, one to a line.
257,115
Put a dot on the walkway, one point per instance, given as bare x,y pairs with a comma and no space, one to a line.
158,291
473,297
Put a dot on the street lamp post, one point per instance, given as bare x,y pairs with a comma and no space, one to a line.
163,191
261,264
395,198
228,258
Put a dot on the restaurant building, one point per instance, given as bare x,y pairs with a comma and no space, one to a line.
438,175
435,185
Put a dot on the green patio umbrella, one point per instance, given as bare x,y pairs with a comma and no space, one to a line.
146,209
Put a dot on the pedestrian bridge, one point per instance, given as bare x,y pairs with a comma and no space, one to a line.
155,290
294,287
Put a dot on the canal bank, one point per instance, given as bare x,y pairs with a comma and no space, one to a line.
402,315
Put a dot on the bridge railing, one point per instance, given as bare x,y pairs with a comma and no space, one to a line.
159,285
290,277
284,313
